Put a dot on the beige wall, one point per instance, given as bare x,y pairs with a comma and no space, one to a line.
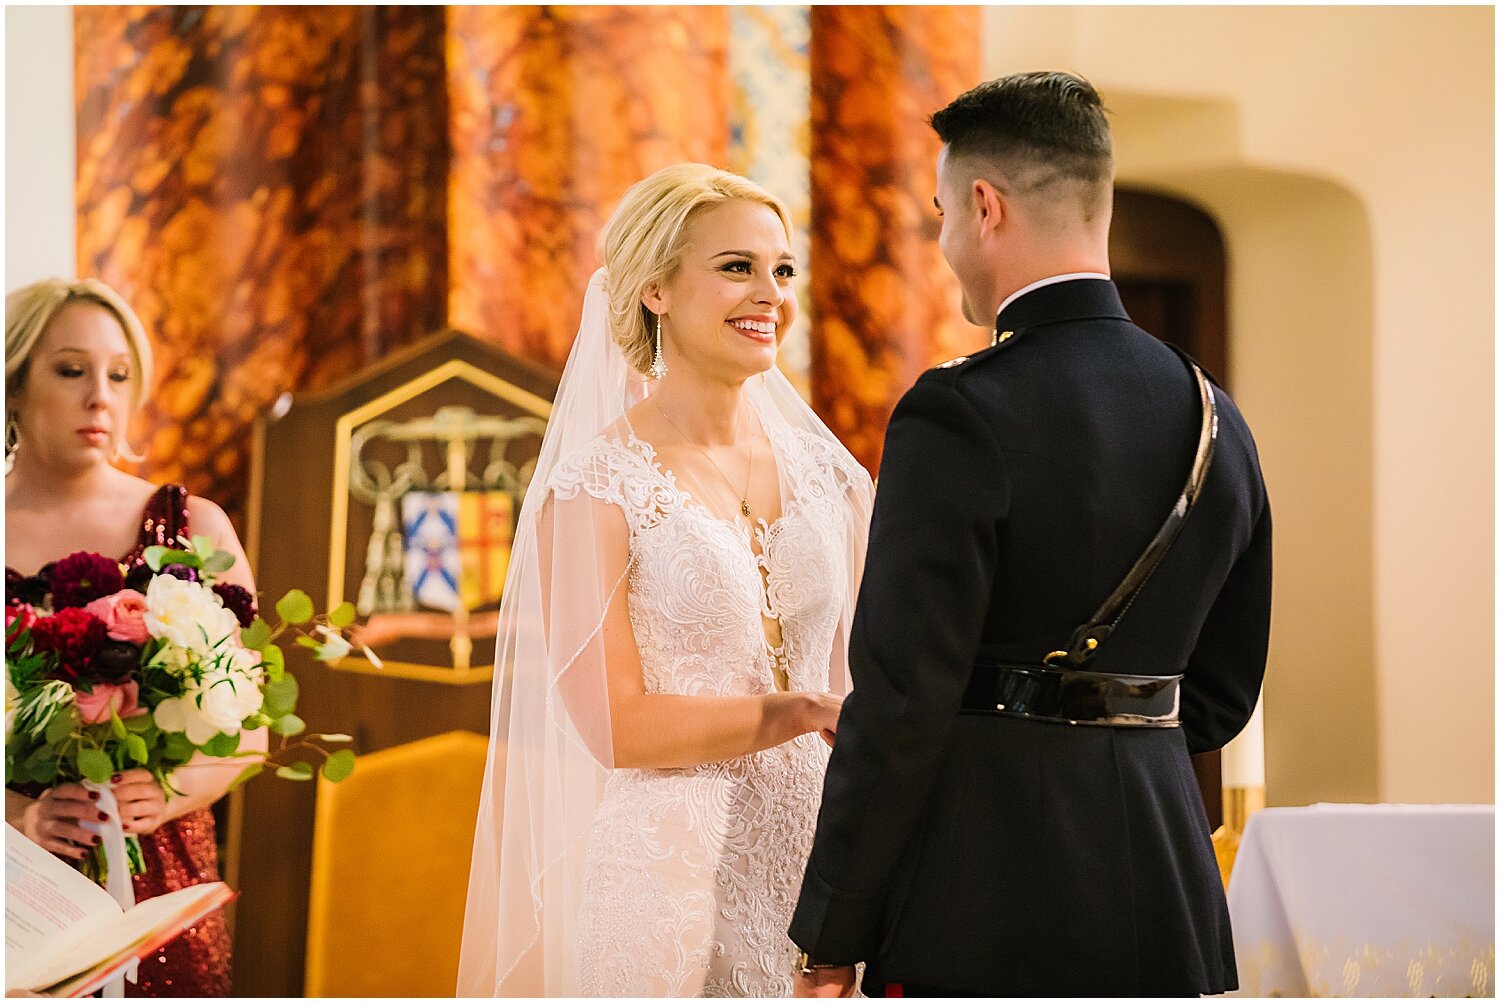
40,228
1348,155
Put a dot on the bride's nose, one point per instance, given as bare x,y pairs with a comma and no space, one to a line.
768,291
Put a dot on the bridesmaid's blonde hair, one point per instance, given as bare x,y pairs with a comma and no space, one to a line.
643,242
30,309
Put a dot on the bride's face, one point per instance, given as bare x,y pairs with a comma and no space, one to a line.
730,302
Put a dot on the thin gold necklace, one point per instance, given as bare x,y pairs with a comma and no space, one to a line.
749,467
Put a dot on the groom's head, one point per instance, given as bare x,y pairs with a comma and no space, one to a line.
1025,184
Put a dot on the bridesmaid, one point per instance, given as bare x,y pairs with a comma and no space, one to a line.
77,367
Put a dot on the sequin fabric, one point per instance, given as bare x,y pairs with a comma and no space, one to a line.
185,850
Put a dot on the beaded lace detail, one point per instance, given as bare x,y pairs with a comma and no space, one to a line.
692,874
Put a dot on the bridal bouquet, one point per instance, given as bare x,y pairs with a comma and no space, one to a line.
107,670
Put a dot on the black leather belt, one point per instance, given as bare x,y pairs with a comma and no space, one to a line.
1071,696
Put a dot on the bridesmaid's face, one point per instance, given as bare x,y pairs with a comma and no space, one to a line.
75,403
730,302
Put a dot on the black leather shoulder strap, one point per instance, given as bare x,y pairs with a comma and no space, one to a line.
1087,639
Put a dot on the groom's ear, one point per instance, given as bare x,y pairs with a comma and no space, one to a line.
991,203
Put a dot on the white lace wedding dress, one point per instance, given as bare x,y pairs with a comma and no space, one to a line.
691,875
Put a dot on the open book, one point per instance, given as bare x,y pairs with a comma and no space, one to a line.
65,936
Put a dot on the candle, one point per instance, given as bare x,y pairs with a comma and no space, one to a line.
1244,758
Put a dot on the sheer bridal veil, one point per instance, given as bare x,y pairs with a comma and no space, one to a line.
549,725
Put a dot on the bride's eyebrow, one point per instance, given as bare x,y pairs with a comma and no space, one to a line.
784,256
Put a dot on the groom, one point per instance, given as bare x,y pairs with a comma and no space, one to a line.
965,848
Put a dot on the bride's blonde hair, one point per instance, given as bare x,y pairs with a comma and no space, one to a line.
643,242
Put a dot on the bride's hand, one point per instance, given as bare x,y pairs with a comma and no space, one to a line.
823,714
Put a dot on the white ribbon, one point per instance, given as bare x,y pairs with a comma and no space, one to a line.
117,863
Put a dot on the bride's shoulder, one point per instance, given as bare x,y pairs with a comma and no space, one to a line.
595,464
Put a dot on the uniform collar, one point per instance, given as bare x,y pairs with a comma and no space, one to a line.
1078,296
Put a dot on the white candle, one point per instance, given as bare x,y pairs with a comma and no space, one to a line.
1244,758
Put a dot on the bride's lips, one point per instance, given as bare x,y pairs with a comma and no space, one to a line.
760,337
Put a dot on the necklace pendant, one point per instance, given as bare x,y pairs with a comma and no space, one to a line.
745,507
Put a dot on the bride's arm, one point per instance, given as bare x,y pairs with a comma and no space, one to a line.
659,730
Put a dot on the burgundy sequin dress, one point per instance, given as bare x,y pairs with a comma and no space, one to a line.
184,851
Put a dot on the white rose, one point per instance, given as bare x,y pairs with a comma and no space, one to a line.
187,614
218,702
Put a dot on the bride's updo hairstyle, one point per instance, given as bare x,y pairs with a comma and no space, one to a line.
643,242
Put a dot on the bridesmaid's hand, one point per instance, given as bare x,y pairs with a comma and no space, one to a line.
143,804
54,820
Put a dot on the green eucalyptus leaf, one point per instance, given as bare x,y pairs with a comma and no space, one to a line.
339,765
295,607
116,726
341,615
203,545
248,773
154,555
43,771
222,745
288,724
274,662
178,747
308,642
257,635
299,770
63,724
140,723
166,556
281,696
95,765
135,748
218,562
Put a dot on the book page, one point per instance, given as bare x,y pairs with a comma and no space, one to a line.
156,919
47,903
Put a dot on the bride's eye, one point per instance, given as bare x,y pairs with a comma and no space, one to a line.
741,267
786,271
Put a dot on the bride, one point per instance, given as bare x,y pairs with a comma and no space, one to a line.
671,658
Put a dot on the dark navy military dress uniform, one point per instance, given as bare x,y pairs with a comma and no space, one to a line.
987,854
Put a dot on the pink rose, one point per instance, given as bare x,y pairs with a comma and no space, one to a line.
124,615
94,708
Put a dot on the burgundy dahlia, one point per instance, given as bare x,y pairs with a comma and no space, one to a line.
238,601
182,571
74,636
80,578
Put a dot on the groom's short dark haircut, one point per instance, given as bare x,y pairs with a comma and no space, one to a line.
1035,129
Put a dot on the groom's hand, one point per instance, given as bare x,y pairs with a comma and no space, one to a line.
830,983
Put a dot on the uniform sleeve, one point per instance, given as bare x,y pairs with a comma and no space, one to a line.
1224,672
922,605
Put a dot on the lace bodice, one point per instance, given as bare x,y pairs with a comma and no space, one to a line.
692,873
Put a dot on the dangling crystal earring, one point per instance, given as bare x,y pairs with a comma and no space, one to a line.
12,440
658,364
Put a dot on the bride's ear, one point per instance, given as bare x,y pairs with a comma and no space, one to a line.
651,296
